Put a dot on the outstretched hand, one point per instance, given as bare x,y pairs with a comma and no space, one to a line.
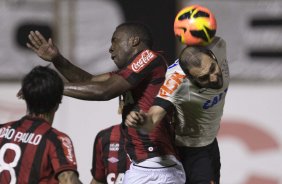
135,119
43,48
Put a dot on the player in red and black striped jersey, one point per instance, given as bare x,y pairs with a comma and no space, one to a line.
31,151
38,152
140,75
146,73
110,160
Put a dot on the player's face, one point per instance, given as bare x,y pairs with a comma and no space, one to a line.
208,75
121,49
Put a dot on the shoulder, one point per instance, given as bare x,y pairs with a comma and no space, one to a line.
61,141
109,130
174,65
56,135
143,59
174,68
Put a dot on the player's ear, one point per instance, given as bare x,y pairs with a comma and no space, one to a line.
135,40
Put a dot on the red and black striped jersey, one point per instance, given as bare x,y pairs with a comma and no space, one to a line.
109,157
146,73
33,152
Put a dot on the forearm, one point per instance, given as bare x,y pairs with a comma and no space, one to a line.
98,91
148,125
68,177
91,92
71,72
154,116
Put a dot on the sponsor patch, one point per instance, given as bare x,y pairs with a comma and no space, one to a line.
142,60
114,147
113,160
171,84
68,148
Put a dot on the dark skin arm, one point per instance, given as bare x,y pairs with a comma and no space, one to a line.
48,51
71,72
114,86
82,84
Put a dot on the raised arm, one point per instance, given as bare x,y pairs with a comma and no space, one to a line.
68,177
47,51
114,86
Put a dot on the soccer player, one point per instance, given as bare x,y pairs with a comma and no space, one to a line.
31,151
139,78
109,161
196,86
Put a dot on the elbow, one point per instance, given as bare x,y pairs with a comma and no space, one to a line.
106,98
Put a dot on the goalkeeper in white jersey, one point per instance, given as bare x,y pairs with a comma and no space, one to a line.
195,86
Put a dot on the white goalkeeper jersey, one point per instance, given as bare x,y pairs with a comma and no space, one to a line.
198,110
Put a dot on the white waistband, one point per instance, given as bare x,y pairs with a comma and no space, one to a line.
159,162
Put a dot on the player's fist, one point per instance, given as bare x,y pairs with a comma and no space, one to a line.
135,119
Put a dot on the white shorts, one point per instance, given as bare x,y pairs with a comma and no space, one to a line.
173,174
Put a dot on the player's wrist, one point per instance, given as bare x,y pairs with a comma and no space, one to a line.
57,58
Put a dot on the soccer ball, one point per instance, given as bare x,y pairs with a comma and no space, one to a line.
195,25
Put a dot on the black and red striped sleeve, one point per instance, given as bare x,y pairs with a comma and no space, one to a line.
98,167
61,153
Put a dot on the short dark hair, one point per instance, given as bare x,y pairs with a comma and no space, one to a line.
139,29
191,57
42,89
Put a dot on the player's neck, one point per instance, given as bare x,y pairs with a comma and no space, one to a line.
47,116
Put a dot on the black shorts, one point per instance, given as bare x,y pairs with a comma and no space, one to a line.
201,164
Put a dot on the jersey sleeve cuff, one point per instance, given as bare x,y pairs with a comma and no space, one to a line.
165,104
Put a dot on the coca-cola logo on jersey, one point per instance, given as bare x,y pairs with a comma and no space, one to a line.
142,60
